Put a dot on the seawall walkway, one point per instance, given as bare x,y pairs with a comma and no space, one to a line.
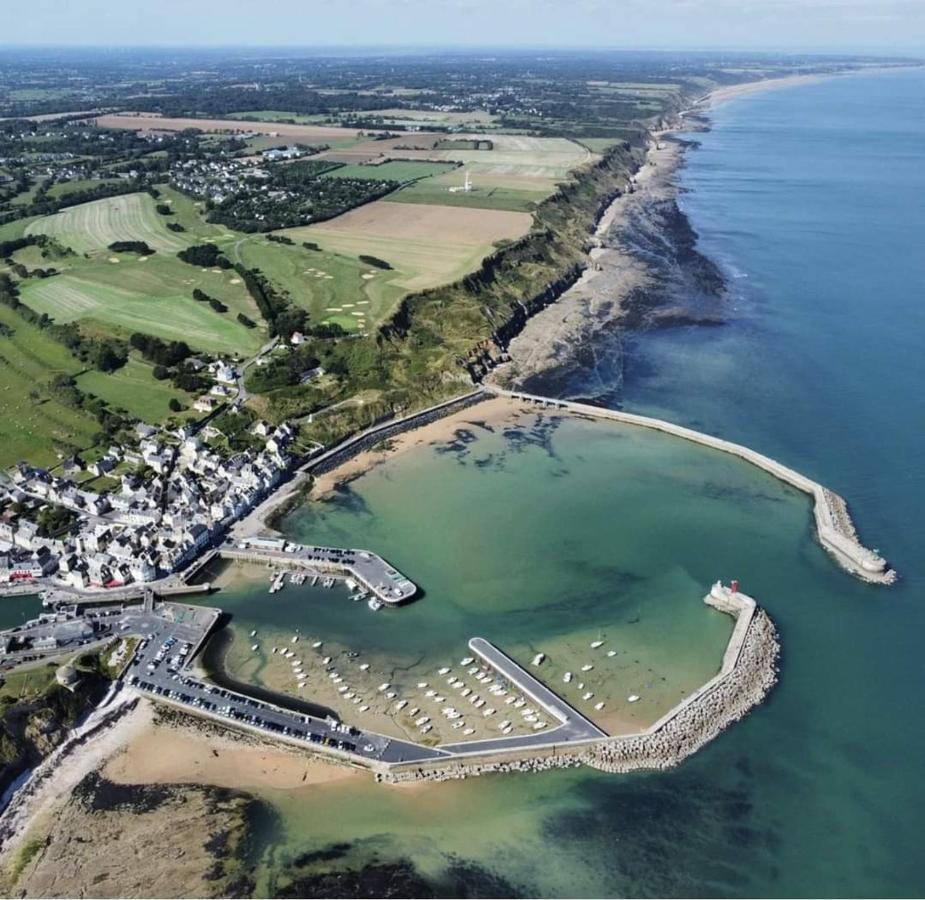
834,527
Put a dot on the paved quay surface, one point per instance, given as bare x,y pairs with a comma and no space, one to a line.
367,568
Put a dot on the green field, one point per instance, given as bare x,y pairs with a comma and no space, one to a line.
153,296
278,115
487,192
63,188
134,389
394,170
328,285
32,424
121,293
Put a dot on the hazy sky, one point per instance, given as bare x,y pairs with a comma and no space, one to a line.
800,24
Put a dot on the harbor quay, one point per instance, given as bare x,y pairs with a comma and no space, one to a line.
834,528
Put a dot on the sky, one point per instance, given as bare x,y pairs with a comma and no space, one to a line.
833,25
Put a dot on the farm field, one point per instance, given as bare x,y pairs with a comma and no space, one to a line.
393,170
153,296
134,389
473,119
34,424
435,245
518,194
277,115
317,134
63,188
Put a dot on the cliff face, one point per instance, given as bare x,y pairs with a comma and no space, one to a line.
31,729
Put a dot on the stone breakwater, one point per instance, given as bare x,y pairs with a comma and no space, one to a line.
749,670
834,527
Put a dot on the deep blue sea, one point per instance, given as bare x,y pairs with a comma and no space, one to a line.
813,200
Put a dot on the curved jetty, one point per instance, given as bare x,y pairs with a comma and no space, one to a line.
748,672
834,527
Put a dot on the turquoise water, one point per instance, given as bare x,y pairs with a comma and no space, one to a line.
812,200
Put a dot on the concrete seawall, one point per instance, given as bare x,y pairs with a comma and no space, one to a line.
834,527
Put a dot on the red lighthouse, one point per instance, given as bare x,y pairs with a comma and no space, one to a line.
734,587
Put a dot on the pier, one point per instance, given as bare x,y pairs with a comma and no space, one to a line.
370,571
834,527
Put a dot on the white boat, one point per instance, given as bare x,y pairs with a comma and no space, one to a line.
364,708
504,724
538,659
466,691
430,693
439,699
488,712
422,721
384,686
294,639
326,660
507,730
254,633
468,731
254,646
518,703
422,684
414,711
472,669
588,695
401,705
343,689
391,694
374,604
596,644
538,725
364,667
467,661
351,584
443,671
599,706
632,698
567,677
611,652
457,724
587,667
276,649
426,728
316,645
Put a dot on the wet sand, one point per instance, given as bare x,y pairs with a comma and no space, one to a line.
181,754
491,411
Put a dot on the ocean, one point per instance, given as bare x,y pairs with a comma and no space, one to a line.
549,532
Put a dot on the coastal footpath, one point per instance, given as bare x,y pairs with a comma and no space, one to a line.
834,528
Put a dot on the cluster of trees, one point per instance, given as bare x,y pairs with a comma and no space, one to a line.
203,297
281,316
44,205
374,261
159,351
64,389
206,256
298,195
139,247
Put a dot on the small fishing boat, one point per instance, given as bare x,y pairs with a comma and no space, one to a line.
254,646
632,698
443,671
611,652
587,667
567,677
596,644
317,644
599,706
374,604
254,633
384,686
587,695
422,684
364,667
467,661
538,659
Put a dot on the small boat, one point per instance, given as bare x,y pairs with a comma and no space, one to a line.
391,695
351,584
254,633
581,685
472,669
632,698
254,646
276,649
599,706
426,728
315,645
567,677
596,644
611,652
384,686
504,724
364,667
538,659
439,699
422,721
443,671
364,708
587,695
467,661
374,604
414,711
401,705
466,691
343,689
538,725
294,639
325,660
458,724
478,703
422,684
488,712
314,580
507,730
468,731
430,693
587,667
